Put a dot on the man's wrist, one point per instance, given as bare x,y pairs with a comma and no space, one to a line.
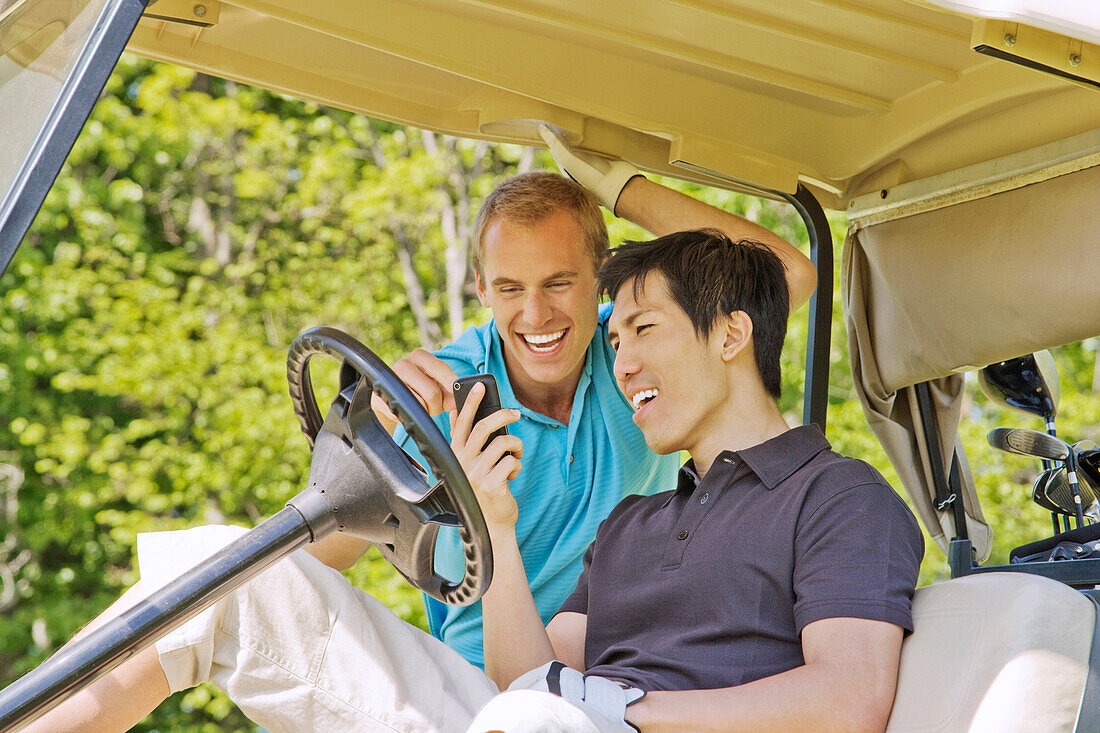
641,714
613,184
503,539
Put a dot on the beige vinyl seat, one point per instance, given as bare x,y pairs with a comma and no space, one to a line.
997,652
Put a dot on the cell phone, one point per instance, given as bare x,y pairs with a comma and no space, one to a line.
490,401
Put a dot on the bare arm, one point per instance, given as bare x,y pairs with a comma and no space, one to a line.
118,700
566,631
847,684
660,210
515,639
621,189
432,382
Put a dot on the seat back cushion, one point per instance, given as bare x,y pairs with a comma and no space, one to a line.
994,652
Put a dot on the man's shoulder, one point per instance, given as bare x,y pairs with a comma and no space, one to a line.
468,353
836,480
633,506
837,469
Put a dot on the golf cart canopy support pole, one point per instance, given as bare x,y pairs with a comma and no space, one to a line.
819,337
948,490
89,658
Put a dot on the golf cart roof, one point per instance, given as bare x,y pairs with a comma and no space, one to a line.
846,96
962,136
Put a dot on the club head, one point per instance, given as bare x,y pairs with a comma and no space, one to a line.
1088,465
1057,492
1027,383
1029,443
1039,494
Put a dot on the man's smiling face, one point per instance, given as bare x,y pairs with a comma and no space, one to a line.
676,381
540,283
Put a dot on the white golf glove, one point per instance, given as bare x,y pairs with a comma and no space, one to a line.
604,177
599,694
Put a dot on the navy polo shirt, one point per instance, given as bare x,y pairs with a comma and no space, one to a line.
710,585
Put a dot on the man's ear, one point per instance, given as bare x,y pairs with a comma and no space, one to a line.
737,333
480,289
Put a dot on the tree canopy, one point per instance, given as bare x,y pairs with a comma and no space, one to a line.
196,228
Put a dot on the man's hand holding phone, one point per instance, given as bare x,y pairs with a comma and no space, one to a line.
488,454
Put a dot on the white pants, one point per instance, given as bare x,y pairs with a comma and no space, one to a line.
299,649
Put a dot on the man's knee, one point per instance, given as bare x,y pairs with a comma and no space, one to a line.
281,615
530,711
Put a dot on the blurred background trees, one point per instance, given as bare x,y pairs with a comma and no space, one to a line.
197,227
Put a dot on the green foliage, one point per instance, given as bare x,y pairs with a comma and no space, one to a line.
196,228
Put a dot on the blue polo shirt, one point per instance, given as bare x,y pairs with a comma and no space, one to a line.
573,476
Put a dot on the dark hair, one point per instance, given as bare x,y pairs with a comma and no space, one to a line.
709,276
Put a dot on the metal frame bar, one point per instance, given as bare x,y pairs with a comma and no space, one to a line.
78,95
977,181
948,488
1080,574
89,658
815,400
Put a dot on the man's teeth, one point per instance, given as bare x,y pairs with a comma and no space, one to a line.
642,396
543,341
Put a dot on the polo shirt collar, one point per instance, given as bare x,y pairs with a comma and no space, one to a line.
687,479
773,461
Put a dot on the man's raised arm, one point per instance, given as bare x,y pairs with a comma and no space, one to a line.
623,190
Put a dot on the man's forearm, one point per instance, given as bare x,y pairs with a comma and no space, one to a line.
660,210
847,684
338,550
515,638
817,697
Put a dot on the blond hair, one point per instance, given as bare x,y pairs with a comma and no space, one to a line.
530,198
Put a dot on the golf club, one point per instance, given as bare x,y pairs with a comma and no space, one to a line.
1039,496
1040,445
1024,442
1088,462
1027,383
1030,384
1054,488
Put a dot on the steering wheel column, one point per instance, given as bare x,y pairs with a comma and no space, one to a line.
360,482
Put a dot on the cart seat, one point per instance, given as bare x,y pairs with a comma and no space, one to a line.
997,652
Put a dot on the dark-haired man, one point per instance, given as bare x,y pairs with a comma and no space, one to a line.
769,590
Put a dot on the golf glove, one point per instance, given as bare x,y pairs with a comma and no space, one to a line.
604,177
598,694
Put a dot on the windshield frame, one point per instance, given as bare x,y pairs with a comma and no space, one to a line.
55,139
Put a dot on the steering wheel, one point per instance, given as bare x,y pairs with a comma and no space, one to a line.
363,484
